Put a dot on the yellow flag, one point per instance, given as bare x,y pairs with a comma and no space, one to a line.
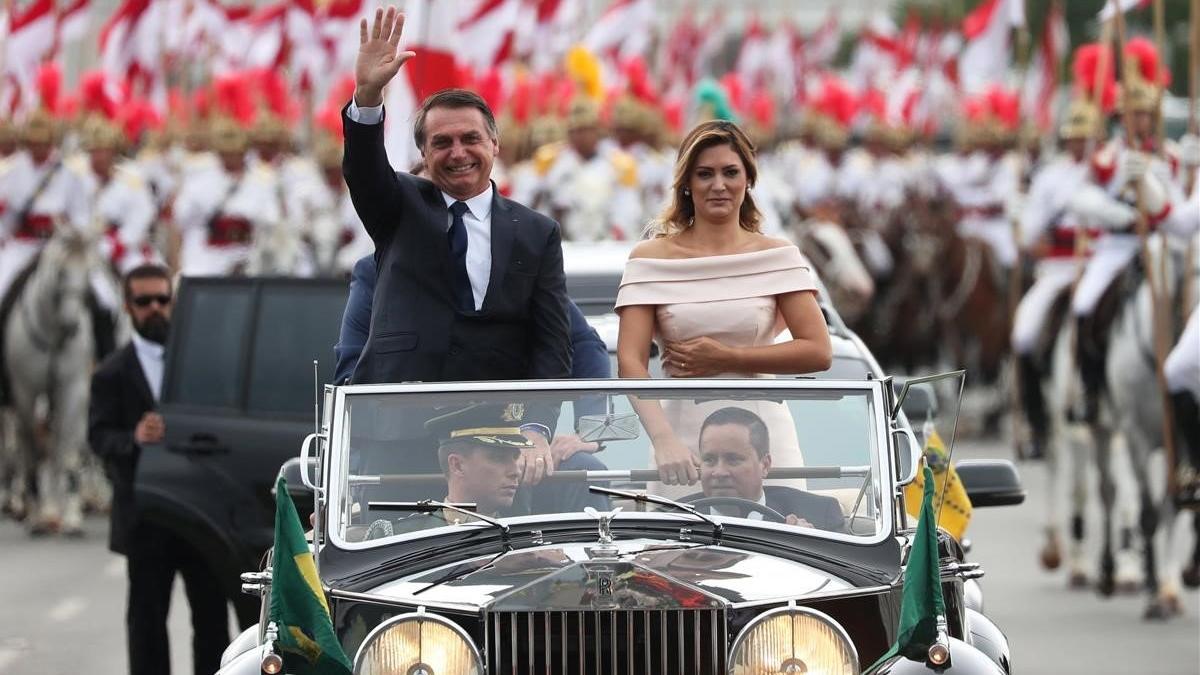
951,498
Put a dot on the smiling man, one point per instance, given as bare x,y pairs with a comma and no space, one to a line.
470,284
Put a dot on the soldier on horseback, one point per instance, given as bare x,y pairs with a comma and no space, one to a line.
1049,233
1122,172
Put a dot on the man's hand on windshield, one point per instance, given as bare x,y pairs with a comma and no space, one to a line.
537,462
562,447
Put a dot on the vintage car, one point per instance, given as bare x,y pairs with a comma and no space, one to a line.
789,560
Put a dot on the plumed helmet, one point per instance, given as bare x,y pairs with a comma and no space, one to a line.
584,112
40,127
227,136
98,133
1082,121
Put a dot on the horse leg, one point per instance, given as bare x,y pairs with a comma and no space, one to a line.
1106,585
1130,460
70,438
1077,575
1051,553
1191,574
1166,603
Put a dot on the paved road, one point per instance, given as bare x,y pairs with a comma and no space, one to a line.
62,604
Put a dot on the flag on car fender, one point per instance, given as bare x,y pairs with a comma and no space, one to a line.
951,504
306,639
921,601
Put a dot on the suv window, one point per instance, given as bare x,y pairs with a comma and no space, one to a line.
295,326
209,347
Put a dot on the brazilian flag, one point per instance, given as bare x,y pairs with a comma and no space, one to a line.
951,502
921,601
306,640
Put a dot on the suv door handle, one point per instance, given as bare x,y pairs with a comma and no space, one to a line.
202,443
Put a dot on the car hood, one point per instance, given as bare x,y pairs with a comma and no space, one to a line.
643,573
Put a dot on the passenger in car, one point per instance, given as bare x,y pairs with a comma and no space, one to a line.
735,459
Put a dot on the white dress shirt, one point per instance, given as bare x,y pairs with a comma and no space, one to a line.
478,218
150,356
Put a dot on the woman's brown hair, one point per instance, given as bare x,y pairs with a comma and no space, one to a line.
681,211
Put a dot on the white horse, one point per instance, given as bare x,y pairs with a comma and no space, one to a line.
1069,454
49,353
838,264
1138,411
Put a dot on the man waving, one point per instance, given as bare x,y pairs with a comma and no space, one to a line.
470,284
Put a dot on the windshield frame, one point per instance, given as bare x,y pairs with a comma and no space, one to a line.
883,480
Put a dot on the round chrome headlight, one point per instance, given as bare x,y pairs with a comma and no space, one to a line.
793,640
418,644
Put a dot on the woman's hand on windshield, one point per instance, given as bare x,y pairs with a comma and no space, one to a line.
676,463
562,447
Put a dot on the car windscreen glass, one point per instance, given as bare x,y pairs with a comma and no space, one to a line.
210,343
802,457
293,329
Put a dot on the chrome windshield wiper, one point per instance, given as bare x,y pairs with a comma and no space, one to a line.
465,509
642,497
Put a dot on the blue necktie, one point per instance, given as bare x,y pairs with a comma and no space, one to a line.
458,258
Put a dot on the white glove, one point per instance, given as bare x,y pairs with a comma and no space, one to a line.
1189,149
1093,206
1134,165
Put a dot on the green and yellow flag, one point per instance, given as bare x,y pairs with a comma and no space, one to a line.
921,601
306,640
951,502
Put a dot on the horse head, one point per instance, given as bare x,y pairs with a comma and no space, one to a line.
832,252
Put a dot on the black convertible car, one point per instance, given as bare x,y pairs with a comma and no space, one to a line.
787,560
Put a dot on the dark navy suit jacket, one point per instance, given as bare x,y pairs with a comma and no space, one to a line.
590,359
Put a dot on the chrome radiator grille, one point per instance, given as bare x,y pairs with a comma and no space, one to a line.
618,642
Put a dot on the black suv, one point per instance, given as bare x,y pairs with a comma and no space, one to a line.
237,399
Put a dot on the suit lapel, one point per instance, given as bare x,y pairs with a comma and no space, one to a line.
134,367
504,228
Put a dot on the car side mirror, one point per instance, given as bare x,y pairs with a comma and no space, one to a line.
991,482
610,427
908,454
293,472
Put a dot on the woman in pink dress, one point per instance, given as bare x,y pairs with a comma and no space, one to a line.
716,292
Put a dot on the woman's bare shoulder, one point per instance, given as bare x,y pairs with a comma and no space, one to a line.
658,247
766,243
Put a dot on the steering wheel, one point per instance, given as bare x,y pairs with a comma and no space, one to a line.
769,514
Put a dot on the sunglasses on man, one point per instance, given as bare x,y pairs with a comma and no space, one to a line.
145,300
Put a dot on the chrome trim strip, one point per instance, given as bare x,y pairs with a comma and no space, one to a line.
534,386
402,602
854,593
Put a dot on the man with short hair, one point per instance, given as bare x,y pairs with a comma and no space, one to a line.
122,420
735,459
470,284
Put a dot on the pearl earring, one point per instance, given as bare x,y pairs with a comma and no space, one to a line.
687,192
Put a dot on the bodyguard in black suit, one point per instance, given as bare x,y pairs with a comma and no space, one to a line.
470,286
122,418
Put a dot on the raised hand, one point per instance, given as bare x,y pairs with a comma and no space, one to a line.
378,61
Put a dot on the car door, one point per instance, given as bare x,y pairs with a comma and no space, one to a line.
238,399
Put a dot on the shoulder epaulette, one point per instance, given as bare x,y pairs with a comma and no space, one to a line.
626,168
545,156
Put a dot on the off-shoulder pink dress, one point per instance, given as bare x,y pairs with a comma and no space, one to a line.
732,299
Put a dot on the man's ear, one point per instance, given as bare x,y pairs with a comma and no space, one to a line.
454,463
766,465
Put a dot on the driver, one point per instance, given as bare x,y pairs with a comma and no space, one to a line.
735,458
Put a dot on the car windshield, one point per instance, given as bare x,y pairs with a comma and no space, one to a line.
802,456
